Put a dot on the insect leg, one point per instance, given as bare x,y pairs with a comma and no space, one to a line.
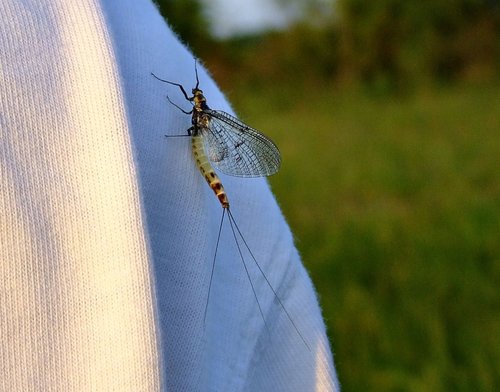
178,107
174,84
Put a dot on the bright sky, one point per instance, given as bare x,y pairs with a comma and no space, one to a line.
245,16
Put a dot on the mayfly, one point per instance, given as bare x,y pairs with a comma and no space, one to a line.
221,140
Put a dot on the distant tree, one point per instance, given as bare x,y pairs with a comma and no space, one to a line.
392,39
187,19
389,44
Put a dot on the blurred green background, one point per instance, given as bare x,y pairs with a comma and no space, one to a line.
387,114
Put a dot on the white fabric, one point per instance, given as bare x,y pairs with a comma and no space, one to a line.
107,230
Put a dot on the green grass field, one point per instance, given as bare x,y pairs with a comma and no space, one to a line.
395,205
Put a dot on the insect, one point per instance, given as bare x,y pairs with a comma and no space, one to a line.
236,149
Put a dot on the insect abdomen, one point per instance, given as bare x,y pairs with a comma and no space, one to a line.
208,172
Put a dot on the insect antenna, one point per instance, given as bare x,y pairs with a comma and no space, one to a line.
232,221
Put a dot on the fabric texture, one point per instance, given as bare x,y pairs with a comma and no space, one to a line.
108,231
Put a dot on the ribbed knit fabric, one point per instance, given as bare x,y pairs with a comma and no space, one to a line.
107,230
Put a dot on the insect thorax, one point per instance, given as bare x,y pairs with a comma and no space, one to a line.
201,119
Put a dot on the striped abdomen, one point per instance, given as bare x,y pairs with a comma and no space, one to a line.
208,172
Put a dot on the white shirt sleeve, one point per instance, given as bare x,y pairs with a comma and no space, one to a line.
108,230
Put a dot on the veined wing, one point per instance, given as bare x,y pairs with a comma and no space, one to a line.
237,149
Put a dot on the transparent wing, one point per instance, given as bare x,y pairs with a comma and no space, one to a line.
237,149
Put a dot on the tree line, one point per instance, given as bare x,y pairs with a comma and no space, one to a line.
388,44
